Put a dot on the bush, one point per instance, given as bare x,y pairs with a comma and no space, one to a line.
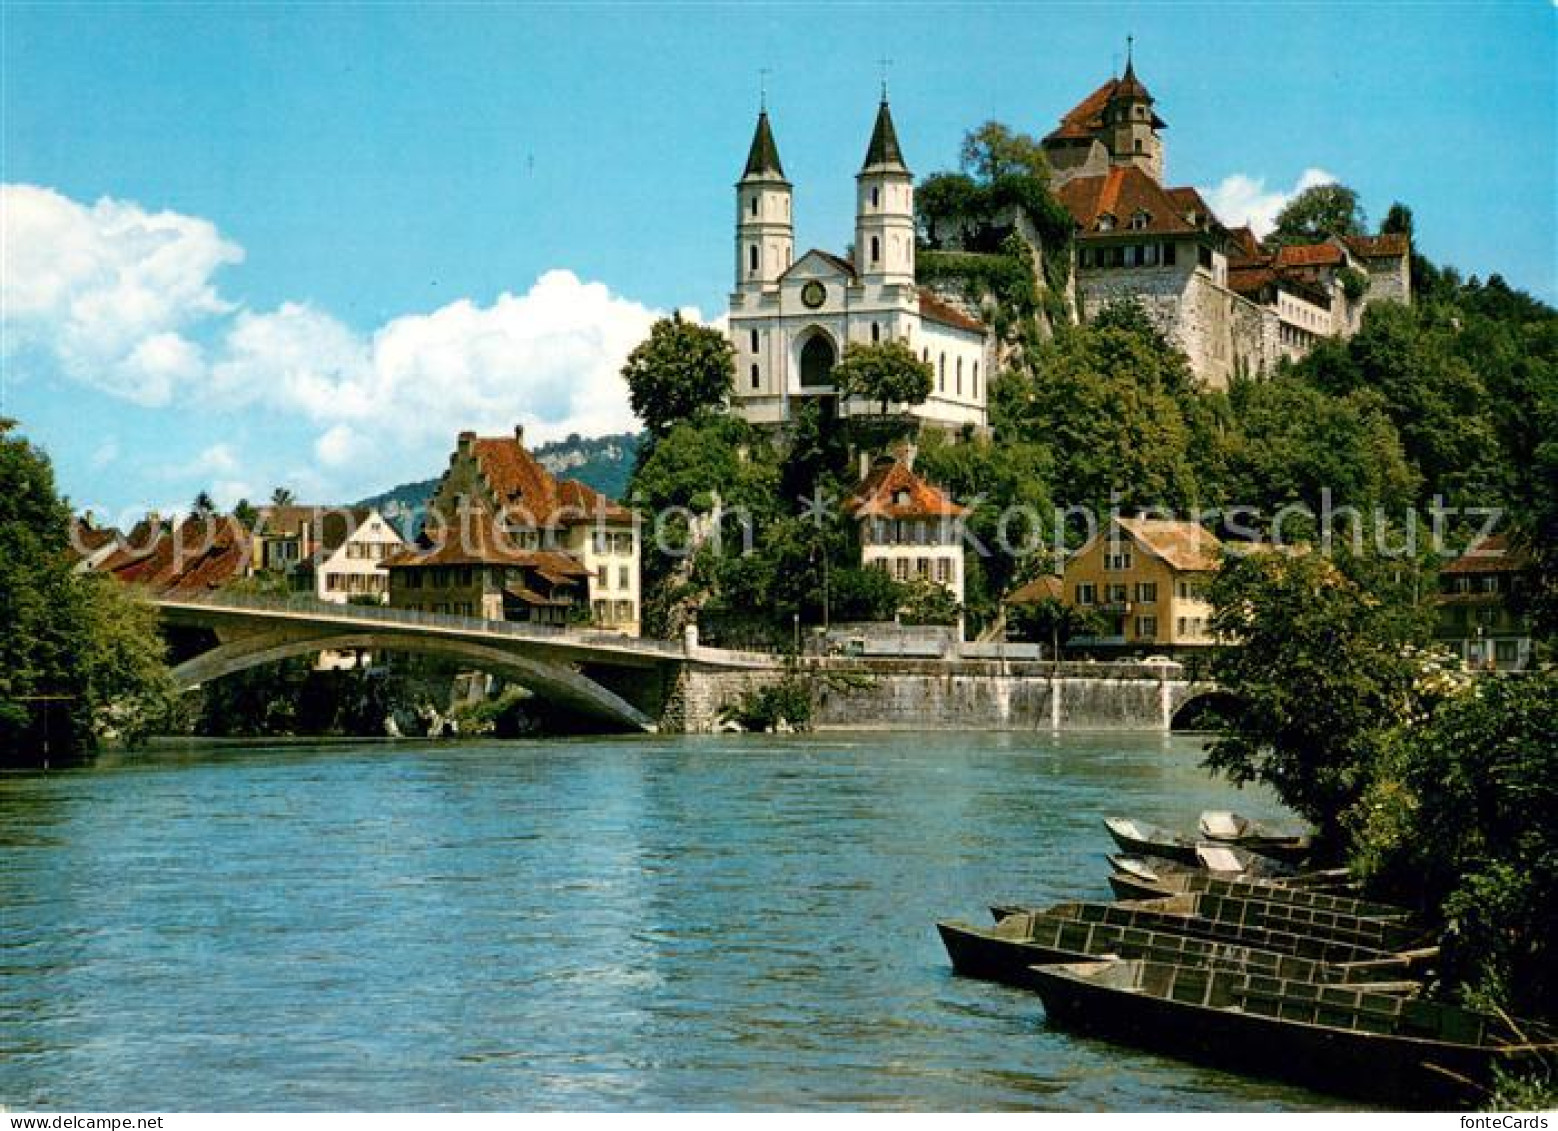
784,704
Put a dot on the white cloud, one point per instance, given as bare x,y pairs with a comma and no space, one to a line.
1242,199
121,299
104,289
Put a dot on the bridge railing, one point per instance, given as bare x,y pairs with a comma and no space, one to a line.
410,618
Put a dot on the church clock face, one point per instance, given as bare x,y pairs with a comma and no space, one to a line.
814,294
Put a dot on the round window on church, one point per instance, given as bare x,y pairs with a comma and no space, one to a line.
814,294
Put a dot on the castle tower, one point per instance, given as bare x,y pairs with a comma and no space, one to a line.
1131,127
884,209
765,230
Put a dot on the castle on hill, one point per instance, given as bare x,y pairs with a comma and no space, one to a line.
1231,304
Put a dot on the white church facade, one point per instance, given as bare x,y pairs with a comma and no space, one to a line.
791,318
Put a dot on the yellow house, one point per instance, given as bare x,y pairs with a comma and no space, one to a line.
1146,580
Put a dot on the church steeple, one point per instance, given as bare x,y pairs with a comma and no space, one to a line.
883,152
884,208
765,233
1131,125
763,157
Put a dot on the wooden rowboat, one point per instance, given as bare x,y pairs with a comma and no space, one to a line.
1178,915
1344,1039
1229,828
1136,879
1148,840
1006,951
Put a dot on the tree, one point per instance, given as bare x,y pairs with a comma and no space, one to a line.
1051,621
245,513
77,655
1318,213
282,497
1398,221
204,505
679,371
888,372
1455,821
993,150
1316,665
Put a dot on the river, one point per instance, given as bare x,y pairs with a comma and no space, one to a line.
625,923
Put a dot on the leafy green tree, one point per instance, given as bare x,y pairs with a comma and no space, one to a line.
1316,666
1398,221
1455,821
887,372
1053,622
246,514
1318,213
857,594
926,602
76,654
282,497
679,371
992,150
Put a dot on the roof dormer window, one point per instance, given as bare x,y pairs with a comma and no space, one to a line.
901,497
1140,219
1105,222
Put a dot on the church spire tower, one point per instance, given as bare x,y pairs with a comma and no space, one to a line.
765,231
1131,125
884,208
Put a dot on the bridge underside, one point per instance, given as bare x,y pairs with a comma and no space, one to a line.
557,683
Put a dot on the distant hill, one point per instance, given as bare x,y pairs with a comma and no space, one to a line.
601,462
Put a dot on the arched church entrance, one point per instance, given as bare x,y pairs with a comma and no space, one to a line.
817,360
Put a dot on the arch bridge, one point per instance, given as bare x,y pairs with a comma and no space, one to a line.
614,678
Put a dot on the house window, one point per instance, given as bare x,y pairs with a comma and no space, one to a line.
1168,255
1087,594
941,377
901,569
921,567
1118,594
1506,651
960,377
1140,219
1147,592
601,577
624,611
976,378
1146,628
943,570
623,581
1118,561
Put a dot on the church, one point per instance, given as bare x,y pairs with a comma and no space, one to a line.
791,318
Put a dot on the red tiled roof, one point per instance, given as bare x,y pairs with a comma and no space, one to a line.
880,492
200,553
525,489
1493,554
1309,255
1391,245
1250,280
1183,545
329,526
1122,192
1086,116
476,538
935,309
86,540
1245,243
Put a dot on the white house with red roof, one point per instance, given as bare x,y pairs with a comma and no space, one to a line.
791,319
909,528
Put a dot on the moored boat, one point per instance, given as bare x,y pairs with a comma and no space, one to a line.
1148,840
1343,1039
1006,951
1178,915
1230,828
1138,879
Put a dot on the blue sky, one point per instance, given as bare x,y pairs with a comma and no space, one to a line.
255,244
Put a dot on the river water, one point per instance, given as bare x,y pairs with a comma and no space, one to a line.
640,923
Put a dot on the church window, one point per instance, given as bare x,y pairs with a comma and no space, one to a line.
754,205
876,196
754,341
876,332
755,379
752,258
876,250
1138,145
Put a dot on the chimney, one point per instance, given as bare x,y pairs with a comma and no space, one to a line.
519,434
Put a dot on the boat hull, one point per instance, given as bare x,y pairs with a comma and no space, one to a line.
1372,1066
